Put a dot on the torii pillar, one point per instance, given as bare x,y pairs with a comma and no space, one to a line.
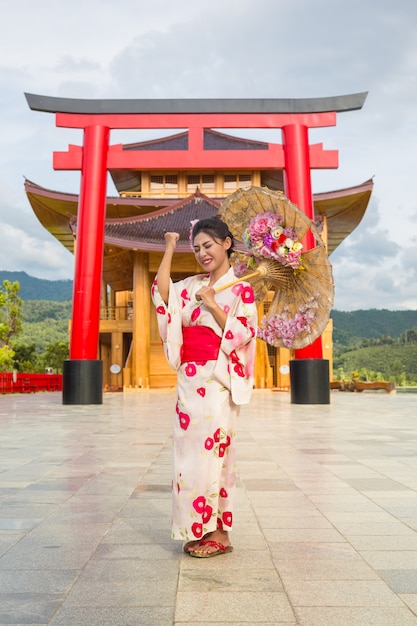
309,372
83,377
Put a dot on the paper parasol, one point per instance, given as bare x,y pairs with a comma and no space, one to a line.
301,280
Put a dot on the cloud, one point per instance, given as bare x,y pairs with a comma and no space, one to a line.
218,49
371,270
43,259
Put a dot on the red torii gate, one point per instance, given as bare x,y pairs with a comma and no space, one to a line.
82,380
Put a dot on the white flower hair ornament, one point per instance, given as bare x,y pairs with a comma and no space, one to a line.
192,224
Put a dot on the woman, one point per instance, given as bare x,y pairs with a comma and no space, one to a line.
209,337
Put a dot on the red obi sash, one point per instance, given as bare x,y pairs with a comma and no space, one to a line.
200,343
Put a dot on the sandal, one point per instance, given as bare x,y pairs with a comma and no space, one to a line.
220,549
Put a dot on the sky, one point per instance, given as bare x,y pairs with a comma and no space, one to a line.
223,49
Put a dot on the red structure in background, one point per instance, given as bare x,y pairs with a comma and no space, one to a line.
82,382
29,383
298,189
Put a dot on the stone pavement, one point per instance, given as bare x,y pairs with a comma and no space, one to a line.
325,518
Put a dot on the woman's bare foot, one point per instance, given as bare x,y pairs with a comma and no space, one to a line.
217,536
190,546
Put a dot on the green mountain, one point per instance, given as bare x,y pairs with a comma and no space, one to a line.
391,360
32,288
363,339
371,342
350,326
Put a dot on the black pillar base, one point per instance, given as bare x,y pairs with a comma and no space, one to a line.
82,382
309,380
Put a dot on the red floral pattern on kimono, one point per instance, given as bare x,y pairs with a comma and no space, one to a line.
208,397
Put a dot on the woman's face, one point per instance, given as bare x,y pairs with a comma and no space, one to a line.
211,253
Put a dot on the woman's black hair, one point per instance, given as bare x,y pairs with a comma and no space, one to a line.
215,227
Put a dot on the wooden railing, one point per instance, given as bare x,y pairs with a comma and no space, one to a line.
116,313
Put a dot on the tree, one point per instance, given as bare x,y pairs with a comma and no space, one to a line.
55,355
6,358
409,336
10,320
25,358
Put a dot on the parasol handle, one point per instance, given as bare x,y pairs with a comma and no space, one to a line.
261,271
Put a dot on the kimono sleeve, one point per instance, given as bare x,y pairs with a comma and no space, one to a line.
169,323
239,343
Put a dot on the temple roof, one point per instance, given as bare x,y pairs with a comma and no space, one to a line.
344,210
145,232
139,223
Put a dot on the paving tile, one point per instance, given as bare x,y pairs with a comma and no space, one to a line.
292,522
147,507
149,548
240,623
311,535
149,590
111,616
360,517
18,524
33,581
243,541
333,503
389,559
271,484
44,557
8,539
326,514
28,607
384,542
400,581
376,484
410,521
315,569
341,593
322,551
194,607
402,510
229,581
346,616
396,528
410,599
135,567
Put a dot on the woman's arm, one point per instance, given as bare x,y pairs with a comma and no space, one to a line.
163,276
206,295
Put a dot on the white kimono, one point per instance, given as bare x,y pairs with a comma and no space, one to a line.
208,395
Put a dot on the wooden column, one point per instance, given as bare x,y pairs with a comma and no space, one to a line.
263,370
141,320
116,358
283,369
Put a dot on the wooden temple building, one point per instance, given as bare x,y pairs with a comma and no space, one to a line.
151,202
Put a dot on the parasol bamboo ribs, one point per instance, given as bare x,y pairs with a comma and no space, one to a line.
270,270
